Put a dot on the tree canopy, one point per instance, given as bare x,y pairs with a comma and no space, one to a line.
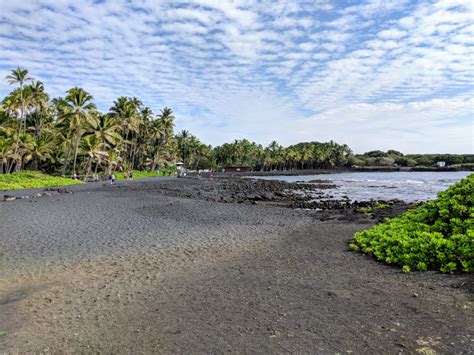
69,135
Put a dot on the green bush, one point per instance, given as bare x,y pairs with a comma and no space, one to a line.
437,235
32,179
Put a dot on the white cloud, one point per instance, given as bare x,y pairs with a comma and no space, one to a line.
285,70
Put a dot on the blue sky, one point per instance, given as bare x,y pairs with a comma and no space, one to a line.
375,74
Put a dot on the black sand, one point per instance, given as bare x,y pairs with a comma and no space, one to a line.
160,266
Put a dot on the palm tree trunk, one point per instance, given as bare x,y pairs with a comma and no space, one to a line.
21,121
66,161
75,152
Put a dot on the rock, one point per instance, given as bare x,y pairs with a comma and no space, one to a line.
8,198
267,196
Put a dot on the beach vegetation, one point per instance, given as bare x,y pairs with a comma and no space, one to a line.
437,235
136,174
32,179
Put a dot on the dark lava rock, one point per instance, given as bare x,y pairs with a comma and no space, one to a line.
268,196
61,190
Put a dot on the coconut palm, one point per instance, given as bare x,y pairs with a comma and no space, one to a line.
155,133
38,119
126,112
19,76
167,123
43,149
107,132
78,114
182,140
92,149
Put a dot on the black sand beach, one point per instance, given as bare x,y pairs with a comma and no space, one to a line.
193,266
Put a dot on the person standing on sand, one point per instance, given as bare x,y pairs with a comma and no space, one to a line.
112,179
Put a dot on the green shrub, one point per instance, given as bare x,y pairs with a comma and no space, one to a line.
32,179
437,235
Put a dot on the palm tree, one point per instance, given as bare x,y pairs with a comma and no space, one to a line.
40,103
19,76
126,112
107,132
78,114
92,148
155,133
182,139
43,148
6,149
167,123
12,103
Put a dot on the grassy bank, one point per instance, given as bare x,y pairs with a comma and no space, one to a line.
143,174
437,235
136,174
32,179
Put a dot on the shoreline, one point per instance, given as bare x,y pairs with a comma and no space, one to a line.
343,170
222,175
197,265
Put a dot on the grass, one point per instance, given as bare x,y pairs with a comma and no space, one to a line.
32,179
2,333
136,174
142,174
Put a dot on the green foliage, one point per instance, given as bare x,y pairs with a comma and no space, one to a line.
308,155
370,209
32,179
391,157
437,235
69,135
136,174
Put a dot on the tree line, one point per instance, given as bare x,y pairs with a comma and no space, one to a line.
69,135
396,158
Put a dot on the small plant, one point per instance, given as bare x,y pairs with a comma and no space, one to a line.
381,205
367,210
425,351
437,235
3,333
371,209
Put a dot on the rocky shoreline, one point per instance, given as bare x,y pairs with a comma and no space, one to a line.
314,195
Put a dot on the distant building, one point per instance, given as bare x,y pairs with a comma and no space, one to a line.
237,168
441,164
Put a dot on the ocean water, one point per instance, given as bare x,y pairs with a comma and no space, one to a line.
364,186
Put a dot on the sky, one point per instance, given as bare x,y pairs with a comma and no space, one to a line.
374,74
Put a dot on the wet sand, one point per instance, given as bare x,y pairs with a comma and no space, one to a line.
159,266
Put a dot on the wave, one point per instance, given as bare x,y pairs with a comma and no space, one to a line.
415,181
